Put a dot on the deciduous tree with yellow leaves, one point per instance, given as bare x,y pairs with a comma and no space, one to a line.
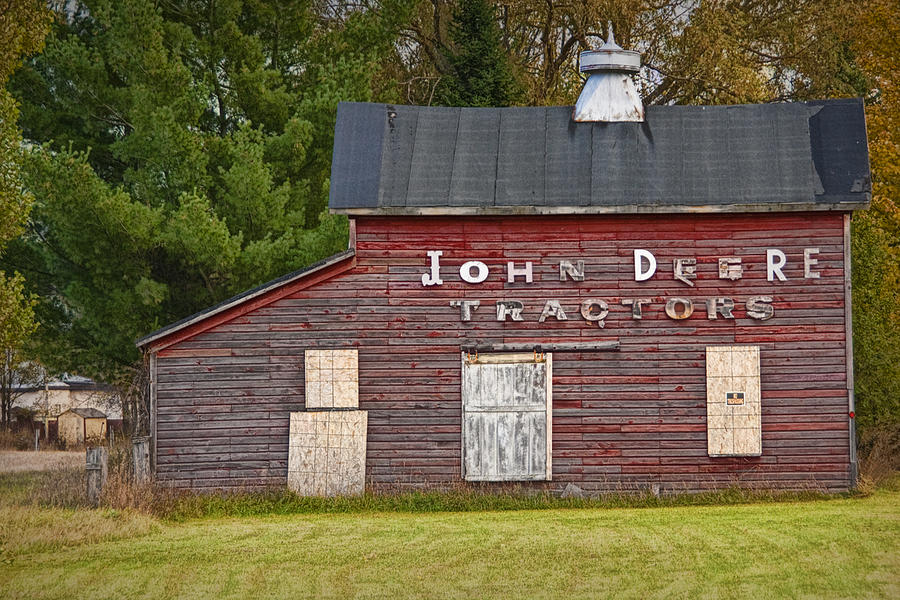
876,231
23,25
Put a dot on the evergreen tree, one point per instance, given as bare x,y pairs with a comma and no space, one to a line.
480,72
183,155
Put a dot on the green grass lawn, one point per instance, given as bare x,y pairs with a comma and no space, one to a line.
839,548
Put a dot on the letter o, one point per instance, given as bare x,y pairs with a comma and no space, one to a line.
688,308
465,271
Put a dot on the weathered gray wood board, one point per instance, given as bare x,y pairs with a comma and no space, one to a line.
505,417
96,472
140,455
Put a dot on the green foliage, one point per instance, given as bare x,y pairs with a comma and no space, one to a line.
23,25
14,202
284,502
16,312
480,73
720,52
876,320
876,231
16,325
183,150
184,154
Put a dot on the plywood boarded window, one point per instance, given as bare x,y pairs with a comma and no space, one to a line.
332,379
506,417
733,426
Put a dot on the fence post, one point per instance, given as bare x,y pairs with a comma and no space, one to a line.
37,438
96,459
141,456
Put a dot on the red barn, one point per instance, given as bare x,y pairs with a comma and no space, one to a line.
662,302
615,305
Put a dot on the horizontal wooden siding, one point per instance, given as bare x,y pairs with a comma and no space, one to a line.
621,420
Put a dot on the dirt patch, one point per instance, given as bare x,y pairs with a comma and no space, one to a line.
13,461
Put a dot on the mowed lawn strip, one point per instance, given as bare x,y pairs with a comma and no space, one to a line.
843,548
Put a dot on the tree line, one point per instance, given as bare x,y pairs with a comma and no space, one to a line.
158,156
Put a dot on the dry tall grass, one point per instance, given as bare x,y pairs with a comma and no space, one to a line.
17,461
21,439
43,501
26,529
64,488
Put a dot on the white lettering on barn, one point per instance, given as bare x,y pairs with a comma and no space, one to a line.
808,262
596,310
719,306
466,308
512,272
512,308
465,271
775,260
552,309
730,267
683,269
674,312
641,274
574,271
433,277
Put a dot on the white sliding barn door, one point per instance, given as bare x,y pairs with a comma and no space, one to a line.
506,401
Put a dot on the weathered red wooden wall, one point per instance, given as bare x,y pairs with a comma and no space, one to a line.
621,420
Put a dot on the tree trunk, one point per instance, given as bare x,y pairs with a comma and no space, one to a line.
6,383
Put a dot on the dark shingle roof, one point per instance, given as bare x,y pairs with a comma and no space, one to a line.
438,160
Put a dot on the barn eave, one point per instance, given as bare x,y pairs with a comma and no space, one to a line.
245,301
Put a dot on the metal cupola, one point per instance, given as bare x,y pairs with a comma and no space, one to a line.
609,94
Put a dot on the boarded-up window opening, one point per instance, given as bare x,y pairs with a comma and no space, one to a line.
506,420
327,442
332,379
733,422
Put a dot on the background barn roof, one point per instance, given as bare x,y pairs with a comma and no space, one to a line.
88,413
439,160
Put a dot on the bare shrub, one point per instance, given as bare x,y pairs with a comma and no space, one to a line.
123,492
879,456
22,439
